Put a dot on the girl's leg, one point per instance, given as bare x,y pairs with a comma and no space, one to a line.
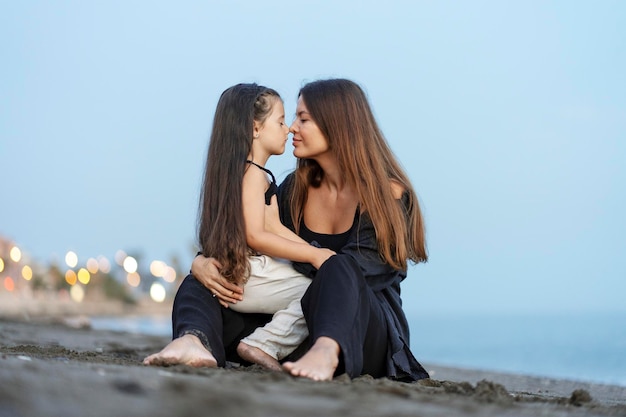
273,287
273,284
283,334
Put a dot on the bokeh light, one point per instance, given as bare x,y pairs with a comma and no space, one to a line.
27,272
70,277
92,266
157,292
104,265
157,268
9,285
77,293
130,264
120,255
170,274
71,259
83,276
133,279
1,264
15,254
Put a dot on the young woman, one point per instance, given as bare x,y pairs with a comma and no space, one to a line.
249,126
349,194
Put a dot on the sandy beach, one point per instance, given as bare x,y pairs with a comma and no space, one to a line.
59,366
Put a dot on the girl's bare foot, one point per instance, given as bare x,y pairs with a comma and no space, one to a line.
319,363
256,355
186,350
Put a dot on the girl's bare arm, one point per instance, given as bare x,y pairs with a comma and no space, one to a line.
282,243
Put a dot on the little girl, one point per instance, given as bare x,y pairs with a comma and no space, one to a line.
248,128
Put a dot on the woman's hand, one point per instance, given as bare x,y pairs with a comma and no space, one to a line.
206,270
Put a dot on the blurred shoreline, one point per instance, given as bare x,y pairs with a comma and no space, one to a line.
48,306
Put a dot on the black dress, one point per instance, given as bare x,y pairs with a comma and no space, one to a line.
354,299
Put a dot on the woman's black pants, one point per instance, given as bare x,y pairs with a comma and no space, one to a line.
338,304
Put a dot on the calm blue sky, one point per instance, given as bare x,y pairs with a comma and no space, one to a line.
510,118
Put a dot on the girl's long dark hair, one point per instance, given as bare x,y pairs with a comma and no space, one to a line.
341,110
221,227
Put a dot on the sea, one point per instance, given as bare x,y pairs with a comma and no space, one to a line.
576,346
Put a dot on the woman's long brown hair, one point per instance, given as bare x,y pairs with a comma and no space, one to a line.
340,109
221,227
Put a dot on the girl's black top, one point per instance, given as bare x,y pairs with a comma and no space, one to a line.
273,188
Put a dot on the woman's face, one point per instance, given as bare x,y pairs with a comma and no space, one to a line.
308,140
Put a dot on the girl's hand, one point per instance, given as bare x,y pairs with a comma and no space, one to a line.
206,270
322,254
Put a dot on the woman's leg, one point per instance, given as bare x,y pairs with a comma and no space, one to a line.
196,329
204,333
343,314
196,311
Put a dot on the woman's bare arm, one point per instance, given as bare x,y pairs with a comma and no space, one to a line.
206,270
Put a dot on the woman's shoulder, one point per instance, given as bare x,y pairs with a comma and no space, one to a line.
285,187
287,183
397,189
284,198
401,194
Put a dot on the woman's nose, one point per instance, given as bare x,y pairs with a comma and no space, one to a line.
292,128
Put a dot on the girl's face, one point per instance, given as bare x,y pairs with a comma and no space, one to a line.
272,135
308,140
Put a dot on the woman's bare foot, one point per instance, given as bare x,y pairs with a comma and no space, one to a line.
186,350
256,355
319,363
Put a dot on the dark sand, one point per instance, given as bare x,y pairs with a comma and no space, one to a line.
52,369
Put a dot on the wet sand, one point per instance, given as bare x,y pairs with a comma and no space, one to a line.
49,368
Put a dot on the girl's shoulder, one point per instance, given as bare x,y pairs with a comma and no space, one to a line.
255,174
